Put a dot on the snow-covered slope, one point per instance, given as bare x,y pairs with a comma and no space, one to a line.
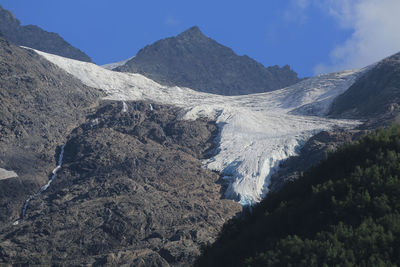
111,66
5,174
256,131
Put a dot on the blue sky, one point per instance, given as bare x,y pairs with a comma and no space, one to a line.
312,36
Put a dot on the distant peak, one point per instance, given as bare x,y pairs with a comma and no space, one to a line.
191,32
7,16
194,29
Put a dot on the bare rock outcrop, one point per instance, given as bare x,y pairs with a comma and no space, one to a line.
132,190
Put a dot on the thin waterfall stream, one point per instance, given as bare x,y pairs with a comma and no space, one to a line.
43,188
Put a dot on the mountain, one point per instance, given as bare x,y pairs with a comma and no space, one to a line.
314,151
193,60
131,190
128,172
39,104
37,38
344,212
256,132
101,167
373,98
375,94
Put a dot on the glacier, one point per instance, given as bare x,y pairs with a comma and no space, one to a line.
111,66
257,131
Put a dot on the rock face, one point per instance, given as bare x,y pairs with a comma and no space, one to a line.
39,105
193,60
313,152
375,94
131,190
374,98
37,38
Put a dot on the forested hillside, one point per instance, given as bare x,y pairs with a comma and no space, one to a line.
344,212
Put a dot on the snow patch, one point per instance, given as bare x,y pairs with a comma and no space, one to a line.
5,174
257,131
124,107
94,122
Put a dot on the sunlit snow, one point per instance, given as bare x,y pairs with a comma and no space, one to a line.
6,174
111,66
257,131
124,107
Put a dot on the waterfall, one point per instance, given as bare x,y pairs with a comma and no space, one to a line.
43,188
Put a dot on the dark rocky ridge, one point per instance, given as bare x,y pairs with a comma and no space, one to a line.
39,105
131,191
193,60
376,94
374,98
37,38
312,153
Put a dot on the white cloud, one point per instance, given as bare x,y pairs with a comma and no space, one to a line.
375,25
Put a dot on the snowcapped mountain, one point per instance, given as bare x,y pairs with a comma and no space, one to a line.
257,131
125,163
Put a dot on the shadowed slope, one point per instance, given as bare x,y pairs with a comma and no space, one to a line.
193,60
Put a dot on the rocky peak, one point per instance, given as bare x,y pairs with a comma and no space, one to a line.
7,15
194,60
37,38
8,22
192,33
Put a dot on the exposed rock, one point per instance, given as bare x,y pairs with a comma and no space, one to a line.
374,98
132,191
314,151
37,38
39,105
193,60
375,95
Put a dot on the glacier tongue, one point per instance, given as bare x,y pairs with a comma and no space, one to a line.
252,144
257,131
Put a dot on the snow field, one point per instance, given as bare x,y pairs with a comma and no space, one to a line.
257,131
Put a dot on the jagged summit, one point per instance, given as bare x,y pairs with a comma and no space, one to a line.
37,38
192,30
191,33
191,59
